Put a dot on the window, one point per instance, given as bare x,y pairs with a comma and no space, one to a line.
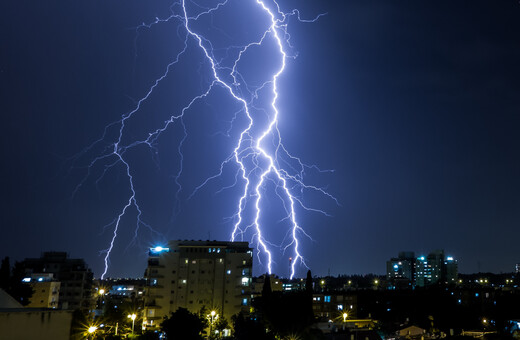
340,307
228,271
244,302
326,298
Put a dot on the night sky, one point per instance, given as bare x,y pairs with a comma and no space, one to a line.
414,104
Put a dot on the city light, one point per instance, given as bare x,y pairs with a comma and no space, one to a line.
132,316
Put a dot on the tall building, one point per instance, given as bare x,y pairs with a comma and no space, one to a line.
195,274
517,268
400,271
435,268
407,270
73,274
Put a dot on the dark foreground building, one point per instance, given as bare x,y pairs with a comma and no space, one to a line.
73,274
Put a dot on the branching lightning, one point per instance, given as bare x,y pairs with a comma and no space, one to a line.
259,156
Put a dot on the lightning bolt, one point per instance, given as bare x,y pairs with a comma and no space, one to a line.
259,152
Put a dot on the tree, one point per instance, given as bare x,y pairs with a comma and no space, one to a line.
249,329
11,281
5,273
266,288
308,283
183,325
221,324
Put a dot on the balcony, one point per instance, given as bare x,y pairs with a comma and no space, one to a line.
152,304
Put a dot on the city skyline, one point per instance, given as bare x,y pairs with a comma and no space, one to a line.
414,106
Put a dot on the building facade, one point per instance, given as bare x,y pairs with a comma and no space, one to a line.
197,274
73,274
409,271
46,290
400,271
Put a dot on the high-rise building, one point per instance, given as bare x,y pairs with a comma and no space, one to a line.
195,274
406,270
435,268
73,274
400,271
517,268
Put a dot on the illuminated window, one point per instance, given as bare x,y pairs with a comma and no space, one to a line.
245,281
340,307
228,271
326,298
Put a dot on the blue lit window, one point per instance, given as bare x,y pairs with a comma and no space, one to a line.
340,307
326,298
244,302
476,294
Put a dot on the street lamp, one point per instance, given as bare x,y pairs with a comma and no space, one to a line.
91,330
132,316
212,316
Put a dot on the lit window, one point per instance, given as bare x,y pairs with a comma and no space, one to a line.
184,281
326,298
245,281
228,271
340,307
244,302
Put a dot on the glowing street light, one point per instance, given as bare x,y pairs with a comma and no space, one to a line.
91,330
212,316
101,291
345,315
132,316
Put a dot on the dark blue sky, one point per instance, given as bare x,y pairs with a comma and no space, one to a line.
415,105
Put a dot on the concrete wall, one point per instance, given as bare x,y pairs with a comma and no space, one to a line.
27,324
